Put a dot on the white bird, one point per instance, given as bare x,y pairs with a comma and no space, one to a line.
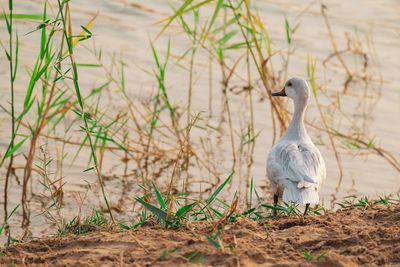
295,166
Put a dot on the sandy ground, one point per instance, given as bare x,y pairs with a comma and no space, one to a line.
346,238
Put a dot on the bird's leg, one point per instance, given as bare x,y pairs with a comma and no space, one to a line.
275,203
305,211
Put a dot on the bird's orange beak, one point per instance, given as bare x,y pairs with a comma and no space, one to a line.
280,93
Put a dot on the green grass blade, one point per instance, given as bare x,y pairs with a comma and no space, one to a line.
273,207
251,191
14,74
43,34
178,13
219,214
288,32
88,65
22,16
183,210
9,216
31,85
155,56
214,17
45,67
7,22
15,148
160,214
159,197
98,90
218,190
213,242
226,37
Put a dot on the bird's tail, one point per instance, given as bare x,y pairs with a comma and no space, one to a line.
301,193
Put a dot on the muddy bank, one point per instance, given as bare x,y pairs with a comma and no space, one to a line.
345,238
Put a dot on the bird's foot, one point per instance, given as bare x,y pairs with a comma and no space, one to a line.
306,209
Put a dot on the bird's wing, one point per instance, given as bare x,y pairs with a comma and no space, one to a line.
301,163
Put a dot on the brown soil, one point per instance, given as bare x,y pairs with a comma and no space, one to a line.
348,238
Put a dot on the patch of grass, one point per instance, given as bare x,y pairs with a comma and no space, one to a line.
354,202
386,200
215,239
196,257
92,223
172,214
365,202
286,209
167,252
309,257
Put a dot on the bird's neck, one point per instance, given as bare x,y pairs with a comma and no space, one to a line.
296,129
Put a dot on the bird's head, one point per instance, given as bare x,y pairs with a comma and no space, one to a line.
296,89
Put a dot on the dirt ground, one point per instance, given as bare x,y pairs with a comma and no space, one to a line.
354,237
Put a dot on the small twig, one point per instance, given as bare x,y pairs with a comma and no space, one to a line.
137,241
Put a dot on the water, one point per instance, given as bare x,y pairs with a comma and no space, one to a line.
123,30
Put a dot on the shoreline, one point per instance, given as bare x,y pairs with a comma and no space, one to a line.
347,237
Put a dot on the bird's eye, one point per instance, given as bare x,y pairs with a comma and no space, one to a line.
289,84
